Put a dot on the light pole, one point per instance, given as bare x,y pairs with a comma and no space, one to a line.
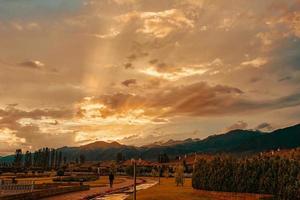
134,177
159,169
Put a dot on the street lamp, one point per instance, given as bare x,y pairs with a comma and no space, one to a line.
159,171
134,162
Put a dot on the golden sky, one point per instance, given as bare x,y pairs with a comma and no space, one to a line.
139,71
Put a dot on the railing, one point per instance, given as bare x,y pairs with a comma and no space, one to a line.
9,187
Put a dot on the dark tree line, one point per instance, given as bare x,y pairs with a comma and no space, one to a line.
264,175
163,158
44,159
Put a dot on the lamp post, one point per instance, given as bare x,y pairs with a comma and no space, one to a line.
159,170
134,162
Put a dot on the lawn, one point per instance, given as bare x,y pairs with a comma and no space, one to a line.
168,190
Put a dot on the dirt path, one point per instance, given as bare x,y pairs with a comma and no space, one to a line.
93,191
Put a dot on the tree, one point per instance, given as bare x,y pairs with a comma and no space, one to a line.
163,158
58,159
28,160
120,157
18,159
52,162
82,159
65,160
179,175
45,158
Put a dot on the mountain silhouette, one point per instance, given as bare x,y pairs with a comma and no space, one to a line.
235,142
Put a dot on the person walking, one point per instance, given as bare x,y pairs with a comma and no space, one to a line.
111,179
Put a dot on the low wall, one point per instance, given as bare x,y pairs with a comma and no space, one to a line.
44,193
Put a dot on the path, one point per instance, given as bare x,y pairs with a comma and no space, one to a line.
93,191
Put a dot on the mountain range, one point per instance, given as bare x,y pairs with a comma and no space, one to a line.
236,142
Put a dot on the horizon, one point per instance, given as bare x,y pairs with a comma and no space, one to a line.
138,72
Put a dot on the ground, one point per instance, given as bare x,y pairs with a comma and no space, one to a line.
167,190
104,181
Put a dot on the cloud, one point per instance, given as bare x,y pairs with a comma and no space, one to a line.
32,64
264,126
110,35
238,125
33,128
291,20
153,61
128,66
138,54
11,113
257,62
122,2
197,99
194,60
30,26
286,78
173,72
129,82
159,24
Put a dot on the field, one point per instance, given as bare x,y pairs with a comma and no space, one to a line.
167,190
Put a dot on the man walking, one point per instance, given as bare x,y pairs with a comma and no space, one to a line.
111,179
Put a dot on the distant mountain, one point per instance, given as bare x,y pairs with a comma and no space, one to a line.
101,145
236,142
168,143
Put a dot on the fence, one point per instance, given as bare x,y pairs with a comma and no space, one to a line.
38,194
12,187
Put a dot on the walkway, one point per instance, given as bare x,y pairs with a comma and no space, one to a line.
93,191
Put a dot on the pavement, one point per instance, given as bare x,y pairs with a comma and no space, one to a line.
95,191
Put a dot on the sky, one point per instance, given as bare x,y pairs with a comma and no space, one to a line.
139,71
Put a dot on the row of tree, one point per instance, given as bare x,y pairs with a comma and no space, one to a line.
44,159
264,175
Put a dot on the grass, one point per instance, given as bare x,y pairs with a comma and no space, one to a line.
168,190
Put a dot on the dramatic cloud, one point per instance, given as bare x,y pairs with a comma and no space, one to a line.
286,78
155,70
257,62
32,64
197,99
239,125
264,127
159,24
129,82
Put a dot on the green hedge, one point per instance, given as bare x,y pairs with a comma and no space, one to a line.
264,175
